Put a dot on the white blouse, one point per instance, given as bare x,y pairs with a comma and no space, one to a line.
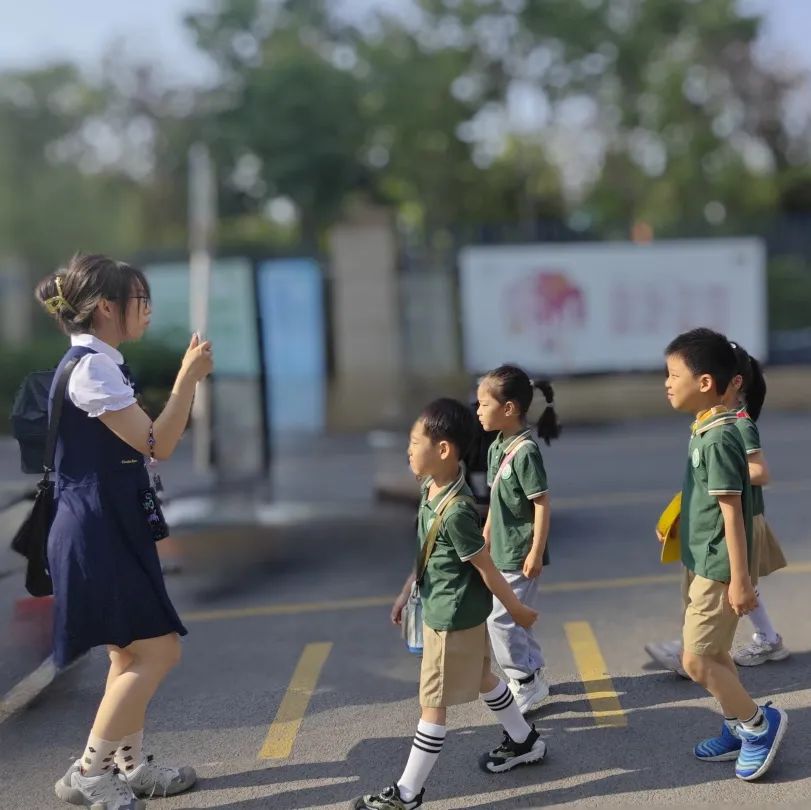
97,384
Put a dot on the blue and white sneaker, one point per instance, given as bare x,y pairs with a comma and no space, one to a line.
723,748
759,750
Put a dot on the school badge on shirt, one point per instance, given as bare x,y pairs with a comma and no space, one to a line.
508,471
696,458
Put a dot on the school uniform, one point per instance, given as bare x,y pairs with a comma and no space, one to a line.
512,513
767,555
716,465
455,602
108,584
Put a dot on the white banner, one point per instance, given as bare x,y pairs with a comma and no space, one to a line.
559,309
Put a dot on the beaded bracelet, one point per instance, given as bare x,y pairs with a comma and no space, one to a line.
152,460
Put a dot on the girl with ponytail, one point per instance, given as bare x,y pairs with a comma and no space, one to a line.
746,395
517,525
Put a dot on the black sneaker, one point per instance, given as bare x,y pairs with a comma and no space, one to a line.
388,799
510,753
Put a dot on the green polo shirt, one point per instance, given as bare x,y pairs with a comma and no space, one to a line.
512,511
751,442
454,596
716,465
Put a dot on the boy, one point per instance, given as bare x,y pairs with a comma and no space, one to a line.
457,592
716,542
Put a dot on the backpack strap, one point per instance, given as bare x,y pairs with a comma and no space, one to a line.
56,414
433,533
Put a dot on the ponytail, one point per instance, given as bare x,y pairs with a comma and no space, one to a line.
548,426
755,389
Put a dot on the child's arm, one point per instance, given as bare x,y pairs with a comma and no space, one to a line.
402,598
758,469
500,588
540,532
742,595
486,531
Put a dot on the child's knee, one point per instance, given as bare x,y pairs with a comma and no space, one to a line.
696,666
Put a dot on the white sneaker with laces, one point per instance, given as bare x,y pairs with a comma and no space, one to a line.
149,779
759,651
668,655
531,695
109,791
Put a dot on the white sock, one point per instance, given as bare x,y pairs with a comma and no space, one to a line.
130,752
762,623
756,723
730,723
501,702
98,756
424,754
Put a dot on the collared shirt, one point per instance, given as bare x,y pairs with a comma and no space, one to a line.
97,384
512,507
716,466
454,596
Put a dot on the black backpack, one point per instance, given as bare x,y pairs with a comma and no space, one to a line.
37,437
29,420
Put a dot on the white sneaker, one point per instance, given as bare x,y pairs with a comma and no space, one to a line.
531,695
150,779
759,651
109,791
668,655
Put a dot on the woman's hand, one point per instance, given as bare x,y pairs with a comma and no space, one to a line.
198,362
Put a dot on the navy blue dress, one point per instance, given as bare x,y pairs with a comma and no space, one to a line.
108,584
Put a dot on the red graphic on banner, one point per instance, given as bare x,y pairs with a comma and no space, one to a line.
546,303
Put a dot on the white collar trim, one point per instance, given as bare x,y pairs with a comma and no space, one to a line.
92,342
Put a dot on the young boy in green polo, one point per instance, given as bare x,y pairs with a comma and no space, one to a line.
457,590
716,546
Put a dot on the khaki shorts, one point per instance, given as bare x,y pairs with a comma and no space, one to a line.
767,556
454,664
709,620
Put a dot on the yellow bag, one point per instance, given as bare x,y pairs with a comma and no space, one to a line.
668,528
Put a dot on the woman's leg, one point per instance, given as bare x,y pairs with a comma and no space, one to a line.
135,674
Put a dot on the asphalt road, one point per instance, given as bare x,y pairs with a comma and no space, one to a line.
275,611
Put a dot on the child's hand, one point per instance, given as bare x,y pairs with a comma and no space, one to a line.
397,607
533,565
486,535
523,616
742,596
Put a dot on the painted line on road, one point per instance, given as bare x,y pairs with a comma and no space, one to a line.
289,609
297,608
605,703
285,726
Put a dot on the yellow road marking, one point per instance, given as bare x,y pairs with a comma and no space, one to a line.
605,705
284,728
289,609
296,608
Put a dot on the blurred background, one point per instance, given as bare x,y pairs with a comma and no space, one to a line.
384,198
348,152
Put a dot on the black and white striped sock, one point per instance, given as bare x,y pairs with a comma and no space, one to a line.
424,754
502,703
